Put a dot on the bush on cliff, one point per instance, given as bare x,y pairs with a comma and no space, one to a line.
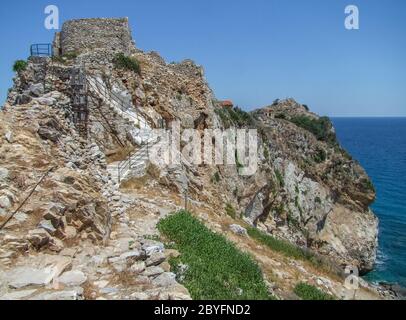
321,127
216,269
20,65
122,61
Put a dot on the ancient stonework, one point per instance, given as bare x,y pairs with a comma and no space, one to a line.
91,34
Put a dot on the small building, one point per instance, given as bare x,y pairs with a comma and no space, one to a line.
227,104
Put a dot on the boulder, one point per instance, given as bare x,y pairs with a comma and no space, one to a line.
238,230
165,279
38,238
4,174
21,277
9,137
153,271
37,89
72,278
155,259
5,202
47,225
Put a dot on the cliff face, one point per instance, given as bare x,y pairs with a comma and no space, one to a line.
306,190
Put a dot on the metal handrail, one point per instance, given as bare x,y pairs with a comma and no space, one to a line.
132,156
41,49
111,96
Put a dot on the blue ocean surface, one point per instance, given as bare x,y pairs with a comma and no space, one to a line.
379,144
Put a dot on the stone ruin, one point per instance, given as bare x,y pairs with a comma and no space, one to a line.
82,35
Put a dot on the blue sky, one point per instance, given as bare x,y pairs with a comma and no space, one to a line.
253,51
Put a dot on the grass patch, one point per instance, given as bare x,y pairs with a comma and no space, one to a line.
216,270
20,65
293,251
309,292
278,245
230,211
121,61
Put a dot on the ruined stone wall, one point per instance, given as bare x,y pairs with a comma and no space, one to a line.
90,34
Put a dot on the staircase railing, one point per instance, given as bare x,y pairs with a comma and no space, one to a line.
124,166
111,97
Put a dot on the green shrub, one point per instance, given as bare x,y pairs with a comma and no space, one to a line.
20,65
309,292
321,127
216,178
230,211
216,270
122,61
234,117
266,153
279,177
320,156
368,185
280,116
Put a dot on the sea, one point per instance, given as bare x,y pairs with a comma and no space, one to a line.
379,144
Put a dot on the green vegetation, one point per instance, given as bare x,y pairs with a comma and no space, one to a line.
279,177
277,245
230,211
122,61
320,156
368,185
320,127
234,117
291,250
280,116
309,292
216,178
266,153
216,269
20,65
72,55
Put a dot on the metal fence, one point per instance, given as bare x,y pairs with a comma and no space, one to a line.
41,50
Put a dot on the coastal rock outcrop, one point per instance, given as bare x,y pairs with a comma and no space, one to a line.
79,185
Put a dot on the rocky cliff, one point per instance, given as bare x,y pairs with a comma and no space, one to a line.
63,197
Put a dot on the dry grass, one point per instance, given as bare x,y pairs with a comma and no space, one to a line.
119,154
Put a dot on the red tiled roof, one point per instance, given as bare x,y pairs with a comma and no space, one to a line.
227,103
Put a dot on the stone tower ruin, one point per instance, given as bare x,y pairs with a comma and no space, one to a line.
82,35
